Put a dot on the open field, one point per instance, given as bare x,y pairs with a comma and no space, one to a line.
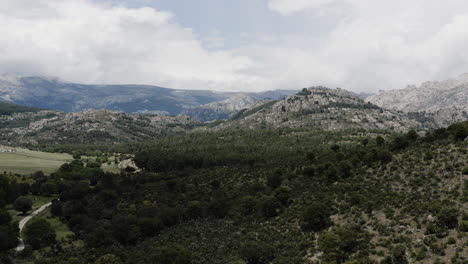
26,161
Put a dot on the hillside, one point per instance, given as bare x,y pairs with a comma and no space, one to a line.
271,196
445,101
89,127
9,108
321,108
50,93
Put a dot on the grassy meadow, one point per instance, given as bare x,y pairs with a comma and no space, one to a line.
26,161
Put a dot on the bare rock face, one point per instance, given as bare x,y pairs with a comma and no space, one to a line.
322,109
446,101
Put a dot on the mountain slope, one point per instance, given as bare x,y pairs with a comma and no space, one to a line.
285,196
88,127
323,109
54,94
446,101
9,108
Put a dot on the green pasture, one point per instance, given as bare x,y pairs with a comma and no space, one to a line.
26,161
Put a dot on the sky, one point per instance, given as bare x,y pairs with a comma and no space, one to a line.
241,45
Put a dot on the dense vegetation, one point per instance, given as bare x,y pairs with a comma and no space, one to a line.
9,108
266,196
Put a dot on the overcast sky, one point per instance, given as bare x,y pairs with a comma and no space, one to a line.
237,45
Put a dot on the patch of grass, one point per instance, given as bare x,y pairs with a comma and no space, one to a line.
113,168
26,161
61,230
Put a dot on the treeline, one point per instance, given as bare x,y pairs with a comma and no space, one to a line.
9,108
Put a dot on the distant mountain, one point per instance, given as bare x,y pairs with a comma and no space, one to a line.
51,93
445,101
322,109
41,128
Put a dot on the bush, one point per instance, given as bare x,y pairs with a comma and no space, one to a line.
254,252
275,180
23,204
340,243
39,234
316,217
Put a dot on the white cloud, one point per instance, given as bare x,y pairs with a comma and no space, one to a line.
388,44
95,43
287,7
371,45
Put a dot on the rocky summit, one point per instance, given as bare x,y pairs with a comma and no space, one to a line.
444,101
321,108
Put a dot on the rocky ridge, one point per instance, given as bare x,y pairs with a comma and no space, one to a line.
88,127
445,101
322,109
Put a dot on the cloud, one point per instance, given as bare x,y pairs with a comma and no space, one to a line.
82,41
387,44
368,45
287,7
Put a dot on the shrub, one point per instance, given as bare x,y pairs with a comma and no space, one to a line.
316,217
39,234
254,252
23,204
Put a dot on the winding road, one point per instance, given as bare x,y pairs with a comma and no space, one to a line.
25,220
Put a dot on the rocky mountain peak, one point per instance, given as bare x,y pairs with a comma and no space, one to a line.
320,108
446,101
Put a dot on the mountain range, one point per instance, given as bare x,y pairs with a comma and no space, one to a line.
446,102
51,93
134,113
315,108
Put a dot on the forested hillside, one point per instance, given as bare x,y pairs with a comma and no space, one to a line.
321,108
9,109
44,129
269,196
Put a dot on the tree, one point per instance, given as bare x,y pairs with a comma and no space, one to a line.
48,188
341,242
448,218
274,180
399,254
254,252
399,143
8,232
23,204
271,207
412,135
379,140
39,234
316,217
311,156
108,259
